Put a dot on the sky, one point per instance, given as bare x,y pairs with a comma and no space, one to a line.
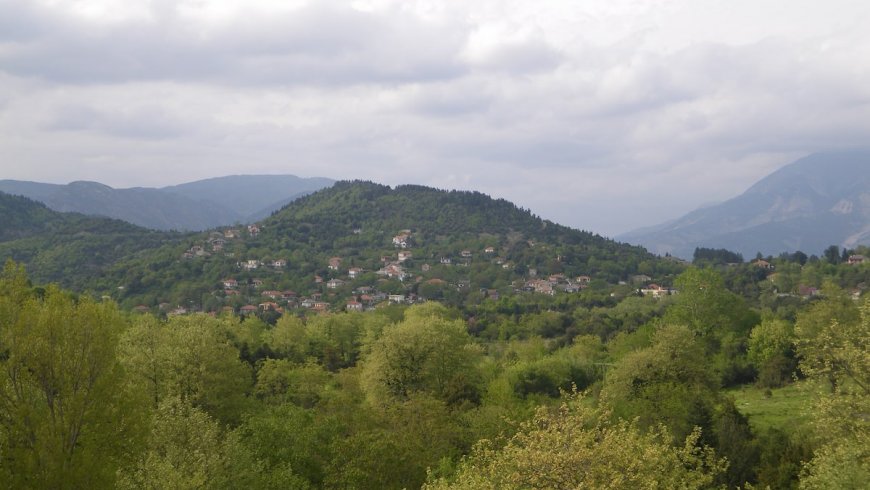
603,115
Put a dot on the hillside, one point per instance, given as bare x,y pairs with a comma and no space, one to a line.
68,248
817,201
409,240
193,206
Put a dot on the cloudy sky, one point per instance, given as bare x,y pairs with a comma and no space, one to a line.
604,115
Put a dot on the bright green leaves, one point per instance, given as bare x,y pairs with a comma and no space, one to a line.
579,447
424,353
64,412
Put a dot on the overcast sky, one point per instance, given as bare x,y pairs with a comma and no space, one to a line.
604,115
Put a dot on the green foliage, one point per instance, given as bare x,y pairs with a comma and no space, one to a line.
189,358
840,354
427,352
771,350
66,420
666,383
578,447
719,256
188,450
706,306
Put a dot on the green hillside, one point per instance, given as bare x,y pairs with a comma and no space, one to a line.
460,248
69,248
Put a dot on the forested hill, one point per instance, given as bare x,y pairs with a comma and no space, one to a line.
348,238
68,248
379,209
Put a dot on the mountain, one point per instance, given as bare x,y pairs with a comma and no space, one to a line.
454,245
72,249
808,205
193,206
250,196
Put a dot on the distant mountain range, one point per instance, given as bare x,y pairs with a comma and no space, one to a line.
808,205
192,206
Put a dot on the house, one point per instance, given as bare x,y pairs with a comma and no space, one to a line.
354,272
403,239
393,271
762,264
334,283
353,306
426,267
250,264
141,309
657,291
178,311
465,254
446,260
248,309
230,283
556,278
397,298
231,233
320,306
489,250
271,294
403,256
279,263
269,305
856,259
808,291
334,263
257,283
288,294
232,292
541,287
583,280
318,279
253,230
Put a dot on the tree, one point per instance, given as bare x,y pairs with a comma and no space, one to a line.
705,305
191,358
426,352
579,447
66,420
187,450
771,350
668,382
839,353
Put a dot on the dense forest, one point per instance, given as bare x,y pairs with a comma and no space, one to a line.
411,396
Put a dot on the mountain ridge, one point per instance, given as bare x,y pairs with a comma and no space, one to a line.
192,206
820,200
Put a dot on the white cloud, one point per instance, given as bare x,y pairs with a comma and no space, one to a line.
584,112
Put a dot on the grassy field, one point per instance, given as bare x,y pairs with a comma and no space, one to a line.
786,408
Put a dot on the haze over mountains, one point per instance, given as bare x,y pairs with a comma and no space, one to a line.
192,206
817,201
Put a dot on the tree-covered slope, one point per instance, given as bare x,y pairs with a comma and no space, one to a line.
68,248
458,243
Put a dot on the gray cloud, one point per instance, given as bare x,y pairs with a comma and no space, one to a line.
604,119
